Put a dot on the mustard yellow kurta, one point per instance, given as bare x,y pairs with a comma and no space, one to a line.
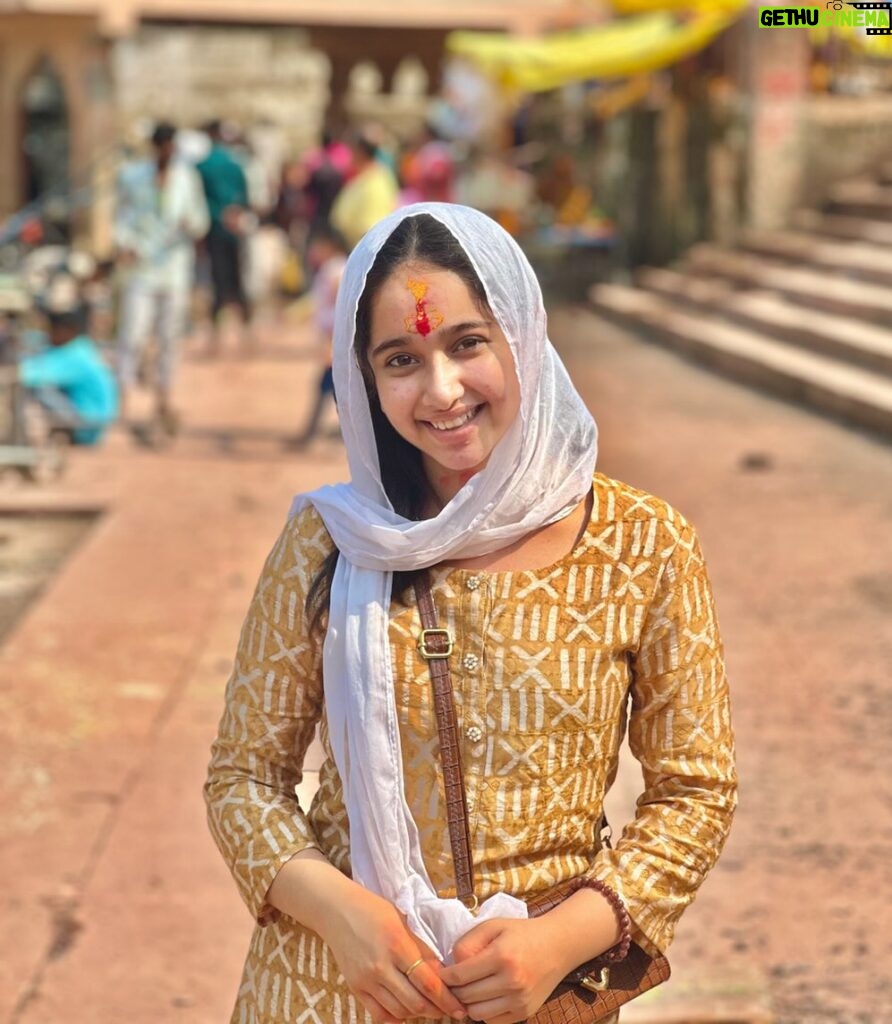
547,665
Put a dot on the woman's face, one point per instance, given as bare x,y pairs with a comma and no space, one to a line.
443,371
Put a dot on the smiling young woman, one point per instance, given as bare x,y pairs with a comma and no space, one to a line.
576,605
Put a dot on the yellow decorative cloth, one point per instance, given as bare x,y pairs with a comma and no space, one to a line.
543,663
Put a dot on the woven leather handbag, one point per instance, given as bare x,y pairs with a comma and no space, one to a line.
595,989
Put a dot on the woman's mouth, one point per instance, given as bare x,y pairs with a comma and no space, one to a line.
445,426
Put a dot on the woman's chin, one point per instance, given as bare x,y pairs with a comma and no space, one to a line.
453,471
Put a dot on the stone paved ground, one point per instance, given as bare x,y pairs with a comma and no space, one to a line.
114,905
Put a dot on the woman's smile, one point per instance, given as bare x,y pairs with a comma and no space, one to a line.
453,425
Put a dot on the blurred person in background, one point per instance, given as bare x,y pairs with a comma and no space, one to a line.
69,380
291,207
487,182
226,190
327,169
264,245
568,200
428,170
327,258
371,194
160,214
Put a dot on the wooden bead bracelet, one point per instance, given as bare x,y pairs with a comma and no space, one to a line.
617,952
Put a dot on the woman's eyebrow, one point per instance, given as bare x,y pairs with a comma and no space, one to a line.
467,325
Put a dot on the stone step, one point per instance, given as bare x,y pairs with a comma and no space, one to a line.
861,260
816,288
861,199
851,340
856,396
836,225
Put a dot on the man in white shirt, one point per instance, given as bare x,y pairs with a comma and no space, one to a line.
161,212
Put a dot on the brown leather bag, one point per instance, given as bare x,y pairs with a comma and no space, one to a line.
595,989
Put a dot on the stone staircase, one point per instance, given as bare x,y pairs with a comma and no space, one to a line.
805,313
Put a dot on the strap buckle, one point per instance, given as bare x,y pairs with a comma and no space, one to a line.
428,634
471,902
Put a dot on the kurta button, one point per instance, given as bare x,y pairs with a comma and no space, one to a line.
474,733
473,582
470,662
469,803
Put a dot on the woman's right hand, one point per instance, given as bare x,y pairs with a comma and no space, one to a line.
368,937
373,948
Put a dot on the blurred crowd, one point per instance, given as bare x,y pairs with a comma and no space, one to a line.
211,239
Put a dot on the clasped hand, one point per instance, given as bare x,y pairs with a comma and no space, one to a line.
503,969
374,948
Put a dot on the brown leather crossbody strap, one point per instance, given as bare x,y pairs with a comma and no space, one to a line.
435,645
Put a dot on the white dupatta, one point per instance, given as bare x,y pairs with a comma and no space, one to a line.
536,475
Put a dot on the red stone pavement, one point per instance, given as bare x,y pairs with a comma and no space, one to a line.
115,904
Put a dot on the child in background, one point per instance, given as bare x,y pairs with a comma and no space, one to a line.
327,257
70,380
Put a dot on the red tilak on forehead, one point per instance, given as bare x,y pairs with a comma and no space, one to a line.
423,322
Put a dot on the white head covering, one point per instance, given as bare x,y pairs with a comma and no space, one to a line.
536,475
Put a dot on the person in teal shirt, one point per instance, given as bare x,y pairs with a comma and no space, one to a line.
226,191
70,379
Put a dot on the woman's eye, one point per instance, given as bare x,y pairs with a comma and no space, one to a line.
400,361
470,343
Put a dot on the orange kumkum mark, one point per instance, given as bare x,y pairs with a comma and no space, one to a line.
423,322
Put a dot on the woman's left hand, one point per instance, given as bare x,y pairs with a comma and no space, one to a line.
504,969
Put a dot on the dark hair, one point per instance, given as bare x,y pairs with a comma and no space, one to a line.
164,132
422,239
367,147
75,320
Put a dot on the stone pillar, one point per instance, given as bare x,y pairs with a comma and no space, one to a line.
778,61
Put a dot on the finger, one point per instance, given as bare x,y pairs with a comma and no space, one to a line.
427,980
477,939
479,991
379,1014
468,971
413,1004
494,1011
396,1009
510,1017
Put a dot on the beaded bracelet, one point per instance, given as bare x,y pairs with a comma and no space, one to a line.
619,951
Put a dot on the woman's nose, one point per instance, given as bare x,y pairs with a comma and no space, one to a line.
443,384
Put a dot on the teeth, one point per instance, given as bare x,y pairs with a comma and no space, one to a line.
452,424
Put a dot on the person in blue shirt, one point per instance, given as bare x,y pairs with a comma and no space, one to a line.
70,379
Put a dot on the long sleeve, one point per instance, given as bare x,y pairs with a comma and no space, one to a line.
273,702
680,732
53,368
125,230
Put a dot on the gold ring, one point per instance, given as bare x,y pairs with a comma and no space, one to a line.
412,967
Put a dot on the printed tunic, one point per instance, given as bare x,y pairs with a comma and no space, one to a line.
549,668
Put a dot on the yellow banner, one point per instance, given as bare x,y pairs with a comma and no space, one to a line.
617,50
648,6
